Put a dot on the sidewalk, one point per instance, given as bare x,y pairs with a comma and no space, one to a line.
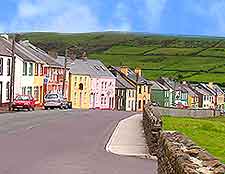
128,138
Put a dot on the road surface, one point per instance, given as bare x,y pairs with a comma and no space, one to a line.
64,142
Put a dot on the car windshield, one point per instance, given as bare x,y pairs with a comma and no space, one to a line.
51,96
23,98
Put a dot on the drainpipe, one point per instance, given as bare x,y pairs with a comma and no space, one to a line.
136,102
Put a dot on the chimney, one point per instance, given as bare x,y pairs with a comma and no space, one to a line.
84,56
184,82
5,36
138,71
210,85
124,70
53,53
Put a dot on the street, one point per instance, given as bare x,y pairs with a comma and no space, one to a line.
64,142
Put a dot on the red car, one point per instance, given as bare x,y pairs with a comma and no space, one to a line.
24,102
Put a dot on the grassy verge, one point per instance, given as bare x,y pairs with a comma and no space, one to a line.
207,133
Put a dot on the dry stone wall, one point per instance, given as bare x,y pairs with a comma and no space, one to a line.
176,153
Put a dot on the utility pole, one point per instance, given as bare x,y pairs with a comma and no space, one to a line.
12,78
136,97
64,73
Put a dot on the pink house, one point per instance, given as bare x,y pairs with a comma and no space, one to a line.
102,83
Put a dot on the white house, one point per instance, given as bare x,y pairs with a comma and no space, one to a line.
5,70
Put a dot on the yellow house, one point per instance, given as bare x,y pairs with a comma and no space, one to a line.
38,83
143,86
79,91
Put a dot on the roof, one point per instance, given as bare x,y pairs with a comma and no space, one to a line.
94,68
158,86
190,90
123,83
215,90
200,89
4,50
181,88
61,61
165,82
132,76
40,54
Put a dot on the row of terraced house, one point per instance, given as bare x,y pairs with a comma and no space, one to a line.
89,83
169,93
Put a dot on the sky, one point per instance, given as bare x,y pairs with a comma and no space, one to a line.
178,17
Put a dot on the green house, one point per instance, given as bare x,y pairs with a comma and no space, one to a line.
160,94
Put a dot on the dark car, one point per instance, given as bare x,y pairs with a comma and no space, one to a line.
24,102
55,100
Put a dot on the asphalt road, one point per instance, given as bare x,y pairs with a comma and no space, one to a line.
64,142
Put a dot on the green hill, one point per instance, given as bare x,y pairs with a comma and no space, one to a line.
193,58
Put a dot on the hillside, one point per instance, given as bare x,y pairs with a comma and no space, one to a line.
193,58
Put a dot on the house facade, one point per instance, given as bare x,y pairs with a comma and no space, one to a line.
160,94
5,70
125,92
143,86
100,88
80,87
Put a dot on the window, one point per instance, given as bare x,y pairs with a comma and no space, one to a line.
36,69
133,93
102,85
1,66
75,98
7,90
144,102
36,93
24,90
204,97
102,100
41,70
105,84
8,67
129,104
24,68
31,69
80,79
29,90
139,104
139,89
149,89
144,88
105,101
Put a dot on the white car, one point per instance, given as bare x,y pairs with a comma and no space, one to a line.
55,100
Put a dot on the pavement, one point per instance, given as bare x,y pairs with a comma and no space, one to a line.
128,138
64,142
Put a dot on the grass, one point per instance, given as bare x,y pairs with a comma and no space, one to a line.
220,52
207,133
207,77
175,51
128,50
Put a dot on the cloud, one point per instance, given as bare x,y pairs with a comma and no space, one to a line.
55,15
121,19
152,12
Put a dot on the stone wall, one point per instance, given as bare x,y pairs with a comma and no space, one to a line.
195,113
176,153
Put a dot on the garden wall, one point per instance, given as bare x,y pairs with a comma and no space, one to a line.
176,153
195,113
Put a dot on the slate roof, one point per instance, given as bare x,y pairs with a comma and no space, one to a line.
190,90
122,83
40,54
4,50
18,50
94,68
216,90
200,89
132,76
158,86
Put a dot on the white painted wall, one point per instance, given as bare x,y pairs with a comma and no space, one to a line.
4,78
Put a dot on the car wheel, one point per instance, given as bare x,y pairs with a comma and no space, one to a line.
28,109
33,109
61,106
46,108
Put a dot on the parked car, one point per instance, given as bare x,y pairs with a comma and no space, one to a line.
55,101
181,106
24,102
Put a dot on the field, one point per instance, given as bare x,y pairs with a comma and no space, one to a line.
194,58
207,133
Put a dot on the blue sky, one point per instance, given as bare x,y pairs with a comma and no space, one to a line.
189,17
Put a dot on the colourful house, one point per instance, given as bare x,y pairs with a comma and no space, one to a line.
143,86
92,82
125,92
160,94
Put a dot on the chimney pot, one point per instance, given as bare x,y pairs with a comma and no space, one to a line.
124,70
138,71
